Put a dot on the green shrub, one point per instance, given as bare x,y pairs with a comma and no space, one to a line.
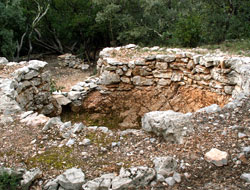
187,31
8,182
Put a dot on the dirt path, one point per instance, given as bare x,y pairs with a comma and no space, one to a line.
65,77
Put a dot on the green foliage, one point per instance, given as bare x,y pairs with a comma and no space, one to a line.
84,26
12,25
187,31
8,182
54,87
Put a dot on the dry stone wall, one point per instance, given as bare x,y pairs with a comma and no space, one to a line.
133,81
217,73
30,87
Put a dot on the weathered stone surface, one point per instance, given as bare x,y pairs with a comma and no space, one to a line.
176,77
158,74
77,88
78,127
35,119
104,182
173,126
170,181
31,74
217,157
3,62
109,78
177,177
113,62
71,179
51,185
29,177
74,95
61,99
36,65
133,177
246,177
125,80
165,166
130,46
210,109
52,122
142,81
164,82
161,66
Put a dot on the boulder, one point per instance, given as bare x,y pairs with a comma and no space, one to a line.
173,126
72,179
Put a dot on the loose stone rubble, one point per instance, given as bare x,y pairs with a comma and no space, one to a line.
69,60
219,75
131,178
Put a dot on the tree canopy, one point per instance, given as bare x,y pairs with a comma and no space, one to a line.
84,26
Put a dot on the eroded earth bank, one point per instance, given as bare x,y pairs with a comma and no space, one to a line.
151,118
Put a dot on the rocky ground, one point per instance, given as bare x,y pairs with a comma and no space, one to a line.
98,151
227,130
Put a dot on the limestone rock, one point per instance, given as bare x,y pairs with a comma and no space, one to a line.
74,95
71,179
164,165
130,46
142,81
164,82
55,121
70,142
35,119
78,127
210,109
158,74
246,177
133,177
36,65
177,177
51,185
173,126
217,157
161,65
29,177
170,181
3,62
104,182
108,77
61,99
85,67
86,142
